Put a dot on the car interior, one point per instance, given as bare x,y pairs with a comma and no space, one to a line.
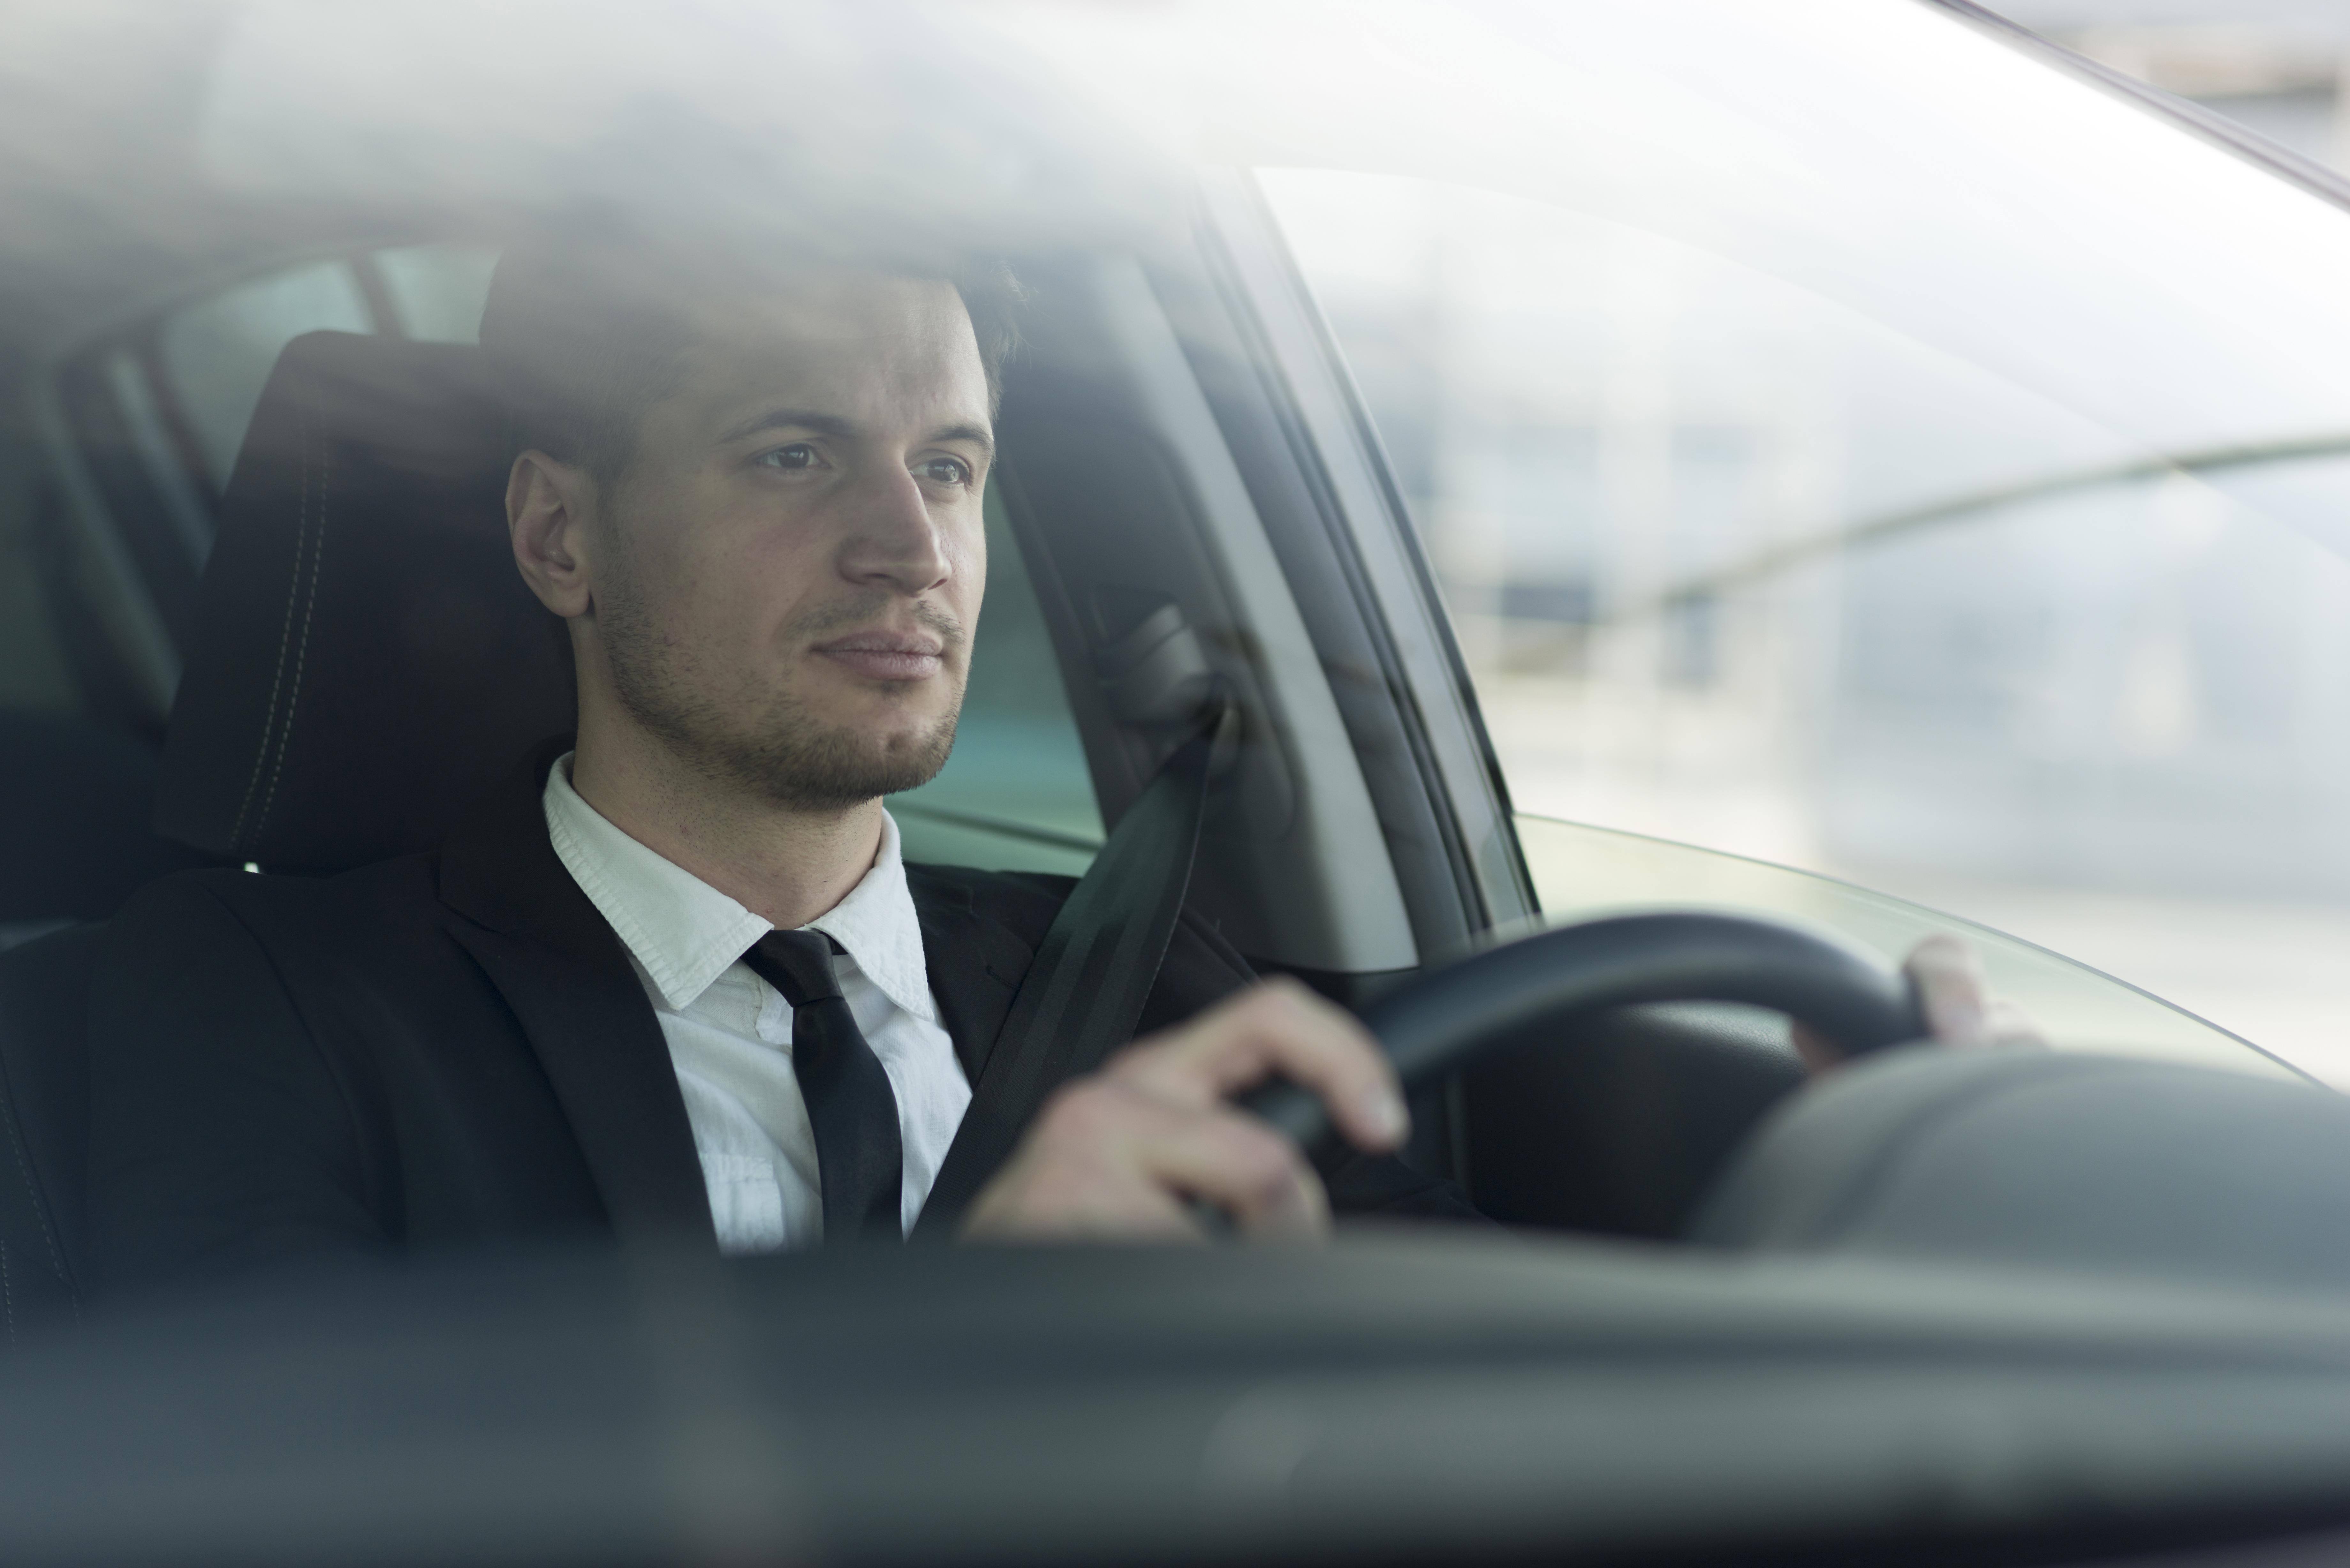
262,615
360,657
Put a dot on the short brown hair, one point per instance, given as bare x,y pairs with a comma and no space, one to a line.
583,338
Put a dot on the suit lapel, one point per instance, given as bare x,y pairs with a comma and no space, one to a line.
568,979
975,963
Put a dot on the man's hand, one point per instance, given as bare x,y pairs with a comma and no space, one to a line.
1119,1155
1957,1000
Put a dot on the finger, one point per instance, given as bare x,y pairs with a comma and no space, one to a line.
1951,991
1277,1026
1241,1166
1107,1161
1076,1175
1819,1054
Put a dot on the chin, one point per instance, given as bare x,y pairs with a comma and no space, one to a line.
881,755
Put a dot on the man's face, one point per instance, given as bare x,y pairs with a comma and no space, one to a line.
788,572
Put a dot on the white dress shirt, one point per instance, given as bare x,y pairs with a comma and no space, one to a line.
730,1033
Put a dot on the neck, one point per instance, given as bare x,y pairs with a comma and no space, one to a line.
786,864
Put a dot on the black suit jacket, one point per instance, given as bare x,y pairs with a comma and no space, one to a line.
452,1049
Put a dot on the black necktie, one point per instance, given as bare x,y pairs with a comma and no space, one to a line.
859,1162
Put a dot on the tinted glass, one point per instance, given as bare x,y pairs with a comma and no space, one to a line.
435,292
1016,794
217,352
158,408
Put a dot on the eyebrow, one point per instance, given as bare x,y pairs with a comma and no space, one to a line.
844,429
976,435
801,419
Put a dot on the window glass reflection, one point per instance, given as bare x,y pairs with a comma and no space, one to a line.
1735,565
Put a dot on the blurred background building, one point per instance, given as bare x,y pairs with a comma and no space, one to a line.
1736,567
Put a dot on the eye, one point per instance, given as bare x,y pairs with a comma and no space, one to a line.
799,454
943,471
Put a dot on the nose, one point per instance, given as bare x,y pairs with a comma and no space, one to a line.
893,541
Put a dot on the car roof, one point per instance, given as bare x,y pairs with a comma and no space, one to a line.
149,147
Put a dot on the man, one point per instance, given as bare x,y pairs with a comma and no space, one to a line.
678,976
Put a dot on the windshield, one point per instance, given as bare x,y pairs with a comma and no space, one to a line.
1815,471
659,652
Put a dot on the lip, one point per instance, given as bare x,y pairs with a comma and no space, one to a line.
887,655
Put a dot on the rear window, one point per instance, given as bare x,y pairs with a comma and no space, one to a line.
157,409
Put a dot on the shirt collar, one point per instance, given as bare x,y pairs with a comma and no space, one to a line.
878,926
685,933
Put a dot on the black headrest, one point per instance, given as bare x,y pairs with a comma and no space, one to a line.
365,657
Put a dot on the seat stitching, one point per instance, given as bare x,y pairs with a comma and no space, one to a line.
285,641
315,460
7,1293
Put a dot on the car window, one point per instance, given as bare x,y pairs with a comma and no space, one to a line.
432,293
1734,563
1016,794
158,408
214,355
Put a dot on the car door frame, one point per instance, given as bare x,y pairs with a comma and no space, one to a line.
1354,562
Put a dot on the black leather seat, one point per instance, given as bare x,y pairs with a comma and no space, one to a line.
76,798
43,1114
364,657
75,801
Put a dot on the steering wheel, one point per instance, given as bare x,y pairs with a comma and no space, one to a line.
1443,1021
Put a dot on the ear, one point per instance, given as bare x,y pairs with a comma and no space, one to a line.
548,507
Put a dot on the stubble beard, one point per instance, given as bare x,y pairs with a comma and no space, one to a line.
723,725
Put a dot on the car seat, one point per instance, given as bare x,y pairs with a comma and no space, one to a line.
364,657
44,1117
76,796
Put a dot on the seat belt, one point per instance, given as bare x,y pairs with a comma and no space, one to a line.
1084,993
